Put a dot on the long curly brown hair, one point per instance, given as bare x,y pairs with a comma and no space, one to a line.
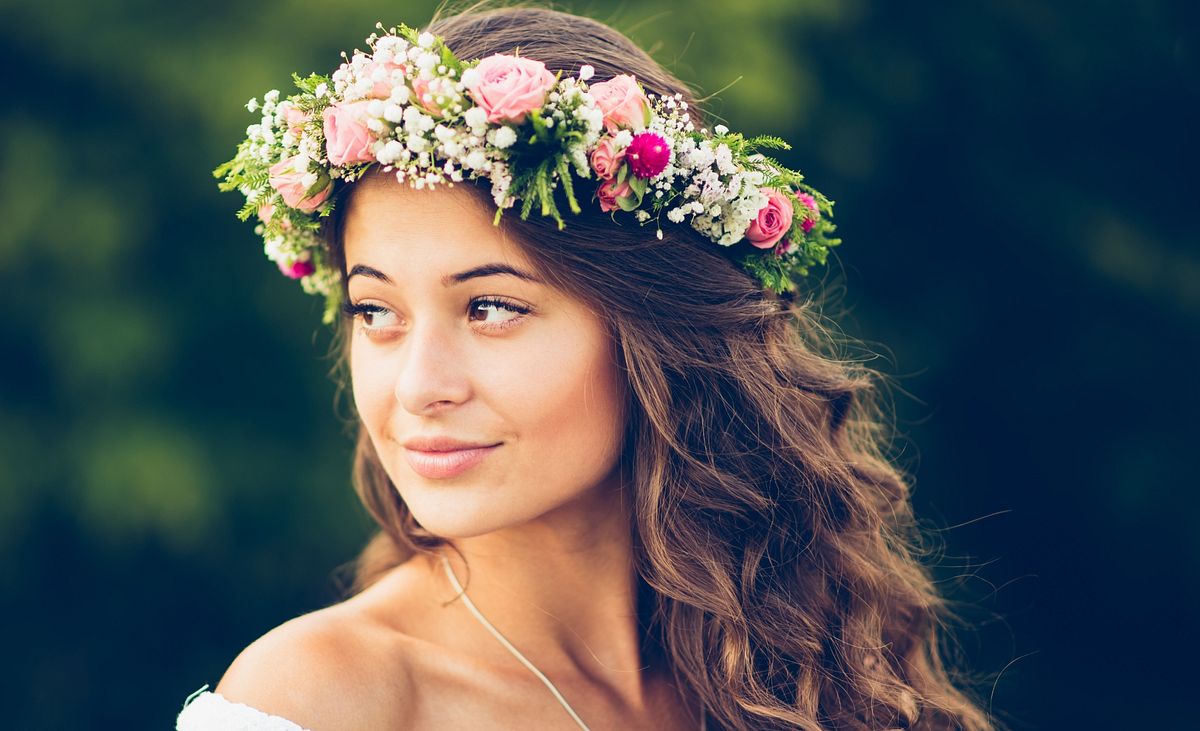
779,557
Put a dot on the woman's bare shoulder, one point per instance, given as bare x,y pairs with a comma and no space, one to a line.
335,669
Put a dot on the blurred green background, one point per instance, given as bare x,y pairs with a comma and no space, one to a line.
1015,188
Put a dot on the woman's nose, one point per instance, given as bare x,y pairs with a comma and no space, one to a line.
431,372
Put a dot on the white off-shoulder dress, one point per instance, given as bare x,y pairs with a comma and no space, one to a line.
206,710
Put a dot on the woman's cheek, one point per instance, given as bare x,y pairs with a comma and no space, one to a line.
373,394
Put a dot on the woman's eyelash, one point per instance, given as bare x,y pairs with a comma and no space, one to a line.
501,303
352,309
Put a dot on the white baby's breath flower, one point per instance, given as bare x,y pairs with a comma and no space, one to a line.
321,90
271,96
586,72
273,248
724,159
252,105
475,117
425,40
720,129
476,159
470,78
390,152
390,45
502,137
413,119
426,61
400,94
416,142
394,113
595,118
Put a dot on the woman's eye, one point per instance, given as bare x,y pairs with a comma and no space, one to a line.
374,317
493,309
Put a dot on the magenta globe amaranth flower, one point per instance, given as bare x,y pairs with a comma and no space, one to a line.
297,269
647,154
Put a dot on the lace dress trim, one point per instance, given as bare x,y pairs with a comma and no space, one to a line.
206,710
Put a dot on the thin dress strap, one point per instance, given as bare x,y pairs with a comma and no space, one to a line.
495,632
504,641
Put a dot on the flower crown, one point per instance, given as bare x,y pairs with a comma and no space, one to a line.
414,108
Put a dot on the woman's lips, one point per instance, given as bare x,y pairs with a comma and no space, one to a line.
436,465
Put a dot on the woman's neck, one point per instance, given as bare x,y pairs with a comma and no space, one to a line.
562,589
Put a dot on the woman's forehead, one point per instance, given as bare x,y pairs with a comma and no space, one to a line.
392,224
380,199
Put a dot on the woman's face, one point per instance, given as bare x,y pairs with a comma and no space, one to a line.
444,345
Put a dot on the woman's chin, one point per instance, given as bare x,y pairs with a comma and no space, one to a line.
463,510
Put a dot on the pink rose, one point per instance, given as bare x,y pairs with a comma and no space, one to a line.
773,221
381,73
267,210
347,139
623,103
432,87
609,192
509,87
295,118
297,269
290,183
809,221
605,160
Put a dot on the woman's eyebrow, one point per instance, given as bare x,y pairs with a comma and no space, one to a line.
485,270
489,270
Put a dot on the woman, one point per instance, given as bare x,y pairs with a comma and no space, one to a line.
618,482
